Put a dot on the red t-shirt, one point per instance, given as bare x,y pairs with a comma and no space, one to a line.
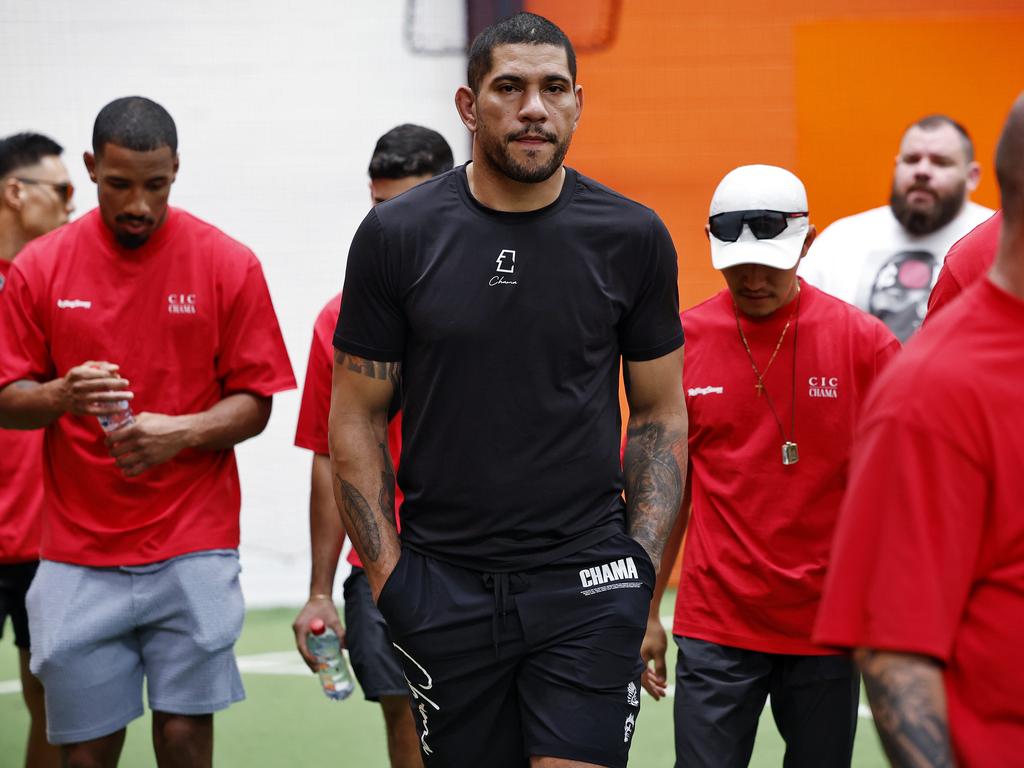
929,550
759,537
21,483
188,318
311,431
968,259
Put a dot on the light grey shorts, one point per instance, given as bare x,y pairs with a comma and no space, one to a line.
97,631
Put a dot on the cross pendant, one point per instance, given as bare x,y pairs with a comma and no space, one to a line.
759,387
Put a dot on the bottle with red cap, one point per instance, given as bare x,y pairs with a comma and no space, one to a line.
331,664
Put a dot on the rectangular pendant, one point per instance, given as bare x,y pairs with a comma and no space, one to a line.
790,454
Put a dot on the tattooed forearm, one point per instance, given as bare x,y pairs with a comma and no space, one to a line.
371,368
361,521
386,497
654,467
909,704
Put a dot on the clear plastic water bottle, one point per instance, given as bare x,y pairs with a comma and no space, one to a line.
331,664
111,421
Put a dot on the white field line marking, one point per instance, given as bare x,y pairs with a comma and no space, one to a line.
287,663
276,663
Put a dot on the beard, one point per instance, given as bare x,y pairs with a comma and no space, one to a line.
497,152
924,221
132,240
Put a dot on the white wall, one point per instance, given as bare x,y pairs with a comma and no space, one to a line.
278,106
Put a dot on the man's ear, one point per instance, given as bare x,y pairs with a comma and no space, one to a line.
579,106
973,175
90,164
812,232
465,104
12,193
707,231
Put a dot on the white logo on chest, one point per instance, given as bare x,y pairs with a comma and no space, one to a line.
823,386
695,391
506,262
73,304
181,303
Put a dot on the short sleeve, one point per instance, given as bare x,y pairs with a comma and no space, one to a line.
371,323
252,355
311,431
906,544
651,328
24,352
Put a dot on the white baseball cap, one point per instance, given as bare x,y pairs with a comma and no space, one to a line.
753,188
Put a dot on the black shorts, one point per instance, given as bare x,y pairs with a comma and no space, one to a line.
374,658
721,691
545,662
15,579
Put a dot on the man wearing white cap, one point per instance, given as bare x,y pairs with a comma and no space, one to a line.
774,373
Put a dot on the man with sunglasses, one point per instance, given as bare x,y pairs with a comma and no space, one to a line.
887,259
774,373
138,303
35,198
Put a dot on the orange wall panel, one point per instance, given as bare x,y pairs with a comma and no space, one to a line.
859,83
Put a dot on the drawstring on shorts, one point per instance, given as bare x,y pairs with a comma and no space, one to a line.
503,585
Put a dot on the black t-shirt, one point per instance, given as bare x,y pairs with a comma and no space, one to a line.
510,327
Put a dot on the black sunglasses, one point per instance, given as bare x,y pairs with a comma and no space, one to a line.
763,224
65,190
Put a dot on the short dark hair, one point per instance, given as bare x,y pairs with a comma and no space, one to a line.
24,149
931,122
136,123
1010,164
521,28
410,150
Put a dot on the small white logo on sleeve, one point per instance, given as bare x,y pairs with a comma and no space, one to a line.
630,724
823,386
506,262
695,391
73,304
632,695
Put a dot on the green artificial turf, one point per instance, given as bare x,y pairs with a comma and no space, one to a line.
286,721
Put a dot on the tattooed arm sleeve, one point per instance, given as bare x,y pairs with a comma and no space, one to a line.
363,473
655,458
908,701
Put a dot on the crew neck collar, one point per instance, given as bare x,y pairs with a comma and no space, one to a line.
515,217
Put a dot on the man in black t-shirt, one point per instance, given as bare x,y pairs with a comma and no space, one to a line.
499,299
